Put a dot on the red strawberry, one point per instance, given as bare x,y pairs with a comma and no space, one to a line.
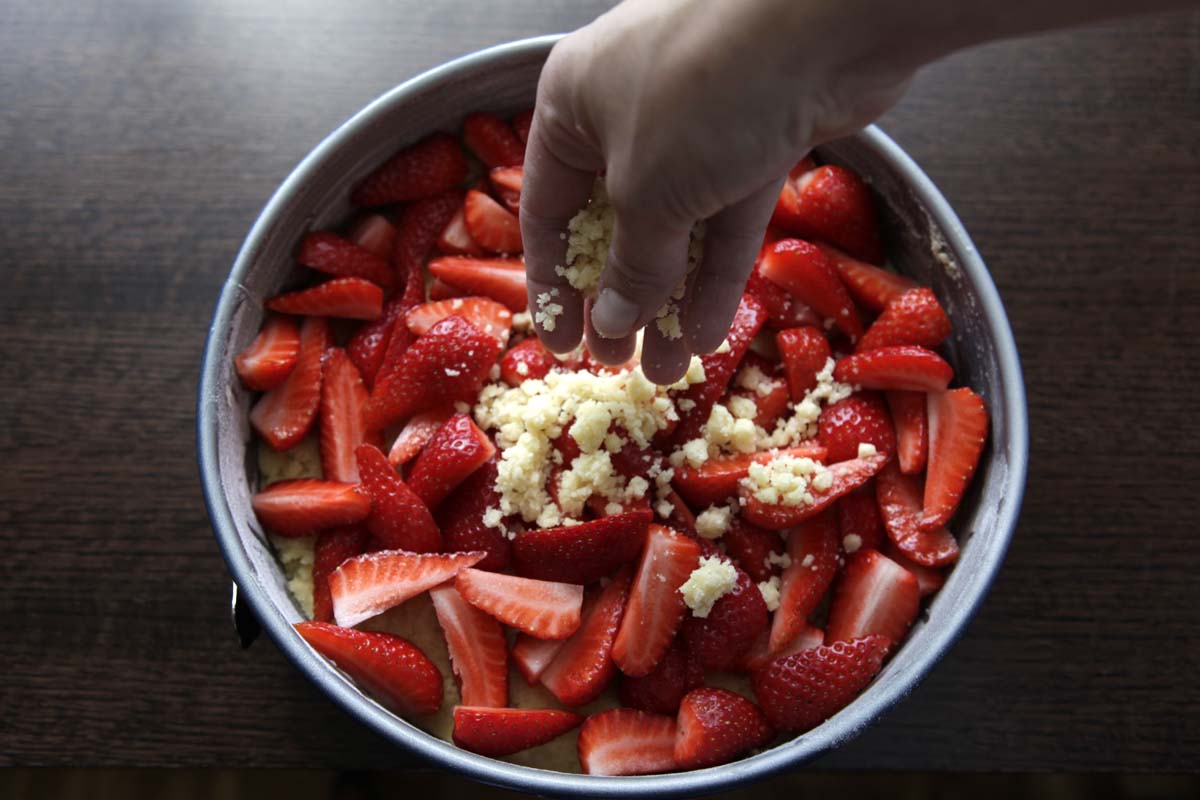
861,418
804,352
491,224
532,655
343,398
760,653
584,667
353,298
847,476
499,732
461,519
398,519
440,290
284,415
502,279
655,608
447,364
455,451
304,506
905,367
506,183
912,437
929,579
813,549
834,205
526,361
545,609
660,692
720,639
750,546
915,317
958,426
899,499
416,433
521,123
484,313
771,399
375,233
330,253
478,650
624,741
783,310
492,140
367,585
420,225
875,595
368,346
432,165
333,546
871,287
800,691
716,726
859,521
718,369
716,480
455,239
581,553
270,358
808,275
681,517
389,667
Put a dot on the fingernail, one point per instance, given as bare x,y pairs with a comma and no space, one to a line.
614,315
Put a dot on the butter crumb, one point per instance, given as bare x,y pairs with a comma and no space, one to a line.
707,584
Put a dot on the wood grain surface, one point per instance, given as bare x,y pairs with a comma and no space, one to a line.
139,140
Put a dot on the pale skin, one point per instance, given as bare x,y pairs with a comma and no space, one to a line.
695,110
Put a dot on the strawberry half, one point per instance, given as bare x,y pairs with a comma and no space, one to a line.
525,361
899,499
304,506
284,415
861,418
368,346
415,434
506,183
958,426
432,165
272,355
343,398
847,476
583,667
461,519
420,225
750,546
871,287
834,205
785,217
389,667
716,726
491,224
499,732
581,553
624,741
478,650
502,279
532,655
327,252
440,290
455,239
521,124
915,317
492,140
484,313
783,310
859,523
662,690
399,520
721,639
875,595
760,653
804,352
929,579
798,692
333,546
813,549
904,367
655,608
808,275
367,585
375,233
455,451
352,298
912,435
545,609
716,480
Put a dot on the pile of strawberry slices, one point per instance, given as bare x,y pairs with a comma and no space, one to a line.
764,551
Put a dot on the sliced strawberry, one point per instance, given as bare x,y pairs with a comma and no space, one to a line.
491,224
546,609
834,205
929,579
478,650
813,549
440,290
492,140
808,275
420,225
455,451
958,427
716,480
455,239
583,667
528,360
499,732
859,522
800,691
432,165
875,595
304,506
333,546
899,499
343,398
484,313
847,476
871,287
681,517
716,726
760,653
375,233
624,741
330,253
272,355
783,310
786,216
771,401
655,608
447,364
750,547
723,637
416,433
462,515
532,655
581,553
398,519
353,298
861,418
284,415
912,436
506,183
661,691
915,317
521,123
904,367
502,279
368,346
367,585
804,352
389,667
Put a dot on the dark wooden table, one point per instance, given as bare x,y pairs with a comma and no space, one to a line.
138,140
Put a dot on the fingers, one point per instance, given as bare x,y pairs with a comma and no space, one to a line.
732,240
664,360
612,352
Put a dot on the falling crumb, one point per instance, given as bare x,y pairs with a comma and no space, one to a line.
851,542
